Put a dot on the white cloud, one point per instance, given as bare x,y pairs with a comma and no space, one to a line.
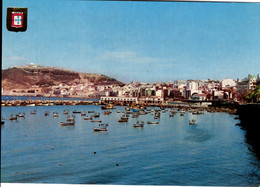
130,57
15,58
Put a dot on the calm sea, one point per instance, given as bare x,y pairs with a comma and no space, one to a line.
36,149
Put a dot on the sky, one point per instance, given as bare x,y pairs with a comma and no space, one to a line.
138,41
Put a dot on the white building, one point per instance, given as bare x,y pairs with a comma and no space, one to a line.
227,83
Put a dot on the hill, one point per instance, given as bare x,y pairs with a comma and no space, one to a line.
25,77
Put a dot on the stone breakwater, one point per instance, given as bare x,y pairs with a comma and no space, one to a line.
186,107
9,103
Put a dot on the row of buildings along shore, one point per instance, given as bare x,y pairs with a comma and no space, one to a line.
144,93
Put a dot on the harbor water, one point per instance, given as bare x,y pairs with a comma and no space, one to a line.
37,149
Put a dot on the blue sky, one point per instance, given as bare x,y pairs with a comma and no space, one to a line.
138,41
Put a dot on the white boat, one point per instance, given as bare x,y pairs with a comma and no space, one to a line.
33,104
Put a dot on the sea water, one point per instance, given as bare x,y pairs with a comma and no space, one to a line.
36,149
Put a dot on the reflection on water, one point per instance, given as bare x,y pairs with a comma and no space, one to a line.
213,151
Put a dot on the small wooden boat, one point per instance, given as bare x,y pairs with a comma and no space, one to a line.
33,112
67,124
21,115
55,114
96,129
103,124
138,124
150,122
83,113
91,111
192,122
2,121
96,115
71,118
107,107
76,112
99,121
46,113
107,112
88,118
66,112
12,117
122,120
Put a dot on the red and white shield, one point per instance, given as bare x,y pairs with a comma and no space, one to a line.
17,19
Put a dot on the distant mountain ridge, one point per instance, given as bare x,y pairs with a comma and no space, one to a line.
22,77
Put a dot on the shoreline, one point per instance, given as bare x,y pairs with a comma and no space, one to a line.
182,106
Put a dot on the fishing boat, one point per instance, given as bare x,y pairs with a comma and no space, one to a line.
142,113
33,112
137,124
123,118
192,122
99,129
72,123
103,124
150,122
107,107
135,110
2,121
55,114
83,113
71,118
88,118
107,112
96,121
135,115
46,113
91,111
96,115
66,111
13,117
21,115
76,112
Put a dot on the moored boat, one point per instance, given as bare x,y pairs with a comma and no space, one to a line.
55,114
108,106
96,121
72,123
99,129
21,115
107,112
192,122
138,124
32,104
154,122
13,117
33,112
88,118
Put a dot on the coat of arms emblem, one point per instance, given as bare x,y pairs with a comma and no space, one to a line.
16,19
